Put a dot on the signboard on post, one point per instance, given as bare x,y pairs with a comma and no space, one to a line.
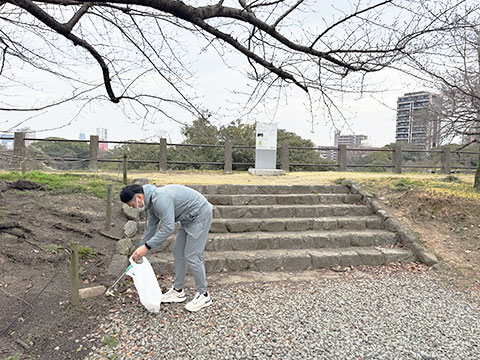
266,146
266,138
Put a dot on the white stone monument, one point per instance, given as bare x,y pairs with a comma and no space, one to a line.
266,150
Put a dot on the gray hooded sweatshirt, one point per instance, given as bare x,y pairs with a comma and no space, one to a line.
168,204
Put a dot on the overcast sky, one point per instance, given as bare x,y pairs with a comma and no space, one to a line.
372,114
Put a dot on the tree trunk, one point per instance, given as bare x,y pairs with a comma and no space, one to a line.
476,183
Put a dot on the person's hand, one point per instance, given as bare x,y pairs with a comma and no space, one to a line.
139,253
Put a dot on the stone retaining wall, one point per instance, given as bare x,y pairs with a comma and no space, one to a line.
408,239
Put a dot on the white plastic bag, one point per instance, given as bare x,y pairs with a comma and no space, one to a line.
146,284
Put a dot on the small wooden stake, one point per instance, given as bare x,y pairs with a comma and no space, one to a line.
108,215
75,298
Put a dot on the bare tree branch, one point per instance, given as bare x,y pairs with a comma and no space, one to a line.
50,105
128,40
4,52
355,14
63,29
76,18
286,13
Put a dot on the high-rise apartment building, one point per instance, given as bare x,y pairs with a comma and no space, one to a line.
417,119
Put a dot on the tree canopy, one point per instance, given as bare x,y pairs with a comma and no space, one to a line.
203,132
57,150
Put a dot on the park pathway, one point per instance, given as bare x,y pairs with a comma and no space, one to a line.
394,312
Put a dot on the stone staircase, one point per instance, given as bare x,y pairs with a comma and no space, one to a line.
287,228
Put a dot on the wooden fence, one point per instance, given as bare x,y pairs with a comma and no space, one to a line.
341,164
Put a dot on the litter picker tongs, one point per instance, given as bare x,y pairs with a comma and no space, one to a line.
110,289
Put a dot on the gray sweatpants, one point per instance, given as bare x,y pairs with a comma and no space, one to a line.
188,250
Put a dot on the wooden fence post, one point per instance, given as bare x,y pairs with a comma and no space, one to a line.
162,165
74,295
93,164
19,151
228,149
125,169
397,159
285,157
108,214
342,157
446,159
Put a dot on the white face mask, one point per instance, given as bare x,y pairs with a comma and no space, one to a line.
138,207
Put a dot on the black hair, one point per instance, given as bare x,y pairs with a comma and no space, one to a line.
129,191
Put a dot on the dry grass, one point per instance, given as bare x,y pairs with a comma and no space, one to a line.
292,178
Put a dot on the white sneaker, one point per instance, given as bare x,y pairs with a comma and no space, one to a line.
198,302
173,295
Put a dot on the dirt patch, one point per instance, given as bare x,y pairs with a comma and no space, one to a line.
36,227
447,225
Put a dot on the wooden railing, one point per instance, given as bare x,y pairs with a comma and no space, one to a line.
341,164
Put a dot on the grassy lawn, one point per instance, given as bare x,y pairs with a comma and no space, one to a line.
62,183
460,185
242,177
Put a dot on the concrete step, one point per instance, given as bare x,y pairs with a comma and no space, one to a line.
284,211
253,241
225,189
293,224
289,199
288,260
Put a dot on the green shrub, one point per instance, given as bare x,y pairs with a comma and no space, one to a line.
341,181
86,253
81,271
52,248
452,178
405,184
110,341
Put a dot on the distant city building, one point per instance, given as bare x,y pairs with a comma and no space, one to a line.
349,140
352,141
6,140
417,120
329,154
475,130
102,135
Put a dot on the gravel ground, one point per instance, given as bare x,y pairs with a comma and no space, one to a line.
379,314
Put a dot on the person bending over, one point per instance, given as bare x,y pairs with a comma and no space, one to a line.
166,205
